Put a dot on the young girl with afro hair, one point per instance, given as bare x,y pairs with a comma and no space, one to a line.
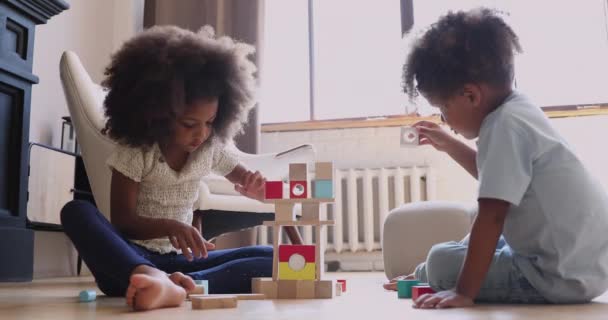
175,99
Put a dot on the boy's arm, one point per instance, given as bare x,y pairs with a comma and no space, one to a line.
464,155
482,245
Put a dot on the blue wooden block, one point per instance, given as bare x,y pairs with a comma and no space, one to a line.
404,288
204,283
324,189
87,295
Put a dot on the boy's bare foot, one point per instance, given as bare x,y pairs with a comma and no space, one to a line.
392,285
183,281
150,288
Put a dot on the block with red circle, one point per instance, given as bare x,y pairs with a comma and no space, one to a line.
298,189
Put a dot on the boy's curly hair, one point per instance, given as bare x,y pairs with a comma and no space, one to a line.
474,46
162,70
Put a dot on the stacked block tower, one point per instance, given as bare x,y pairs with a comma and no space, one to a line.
297,270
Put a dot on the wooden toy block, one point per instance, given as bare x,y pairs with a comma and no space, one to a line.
338,289
286,251
265,286
297,262
298,172
87,295
239,296
306,272
409,137
343,283
199,289
310,211
274,190
404,288
419,290
324,171
214,302
298,189
306,289
323,189
284,212
288,289
325,289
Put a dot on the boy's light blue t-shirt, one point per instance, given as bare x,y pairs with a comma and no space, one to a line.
557,225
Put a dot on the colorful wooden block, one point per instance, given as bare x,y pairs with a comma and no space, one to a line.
324,171
274,190
343,283
286,251
404,288
87,295
298,189
214,302
298,171
310,211
419,290
297,262
323,189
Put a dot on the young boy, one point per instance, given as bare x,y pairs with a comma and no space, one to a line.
540,233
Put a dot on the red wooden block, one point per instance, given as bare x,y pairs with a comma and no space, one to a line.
298,189
343,283
417,291
307,251
274,190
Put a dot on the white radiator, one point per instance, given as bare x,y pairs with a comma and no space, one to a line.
364,196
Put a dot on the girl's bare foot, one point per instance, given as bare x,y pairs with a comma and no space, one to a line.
150,288
392,285
183,281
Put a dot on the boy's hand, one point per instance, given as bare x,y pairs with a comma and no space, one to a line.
252,185
443,299
392,285
432,134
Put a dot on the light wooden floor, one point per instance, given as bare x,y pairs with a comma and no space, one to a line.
365,299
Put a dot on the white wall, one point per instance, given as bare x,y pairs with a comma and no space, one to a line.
376,147
93,29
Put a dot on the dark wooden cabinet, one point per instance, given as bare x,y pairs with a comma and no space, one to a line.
18,19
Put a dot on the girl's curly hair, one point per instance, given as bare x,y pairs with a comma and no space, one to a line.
162,70
475,46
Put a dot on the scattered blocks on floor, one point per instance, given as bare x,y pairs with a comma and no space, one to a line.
214,302
343,283
87,295
421,289
323,189
404,288
274,190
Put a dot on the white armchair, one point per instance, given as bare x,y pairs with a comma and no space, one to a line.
85,101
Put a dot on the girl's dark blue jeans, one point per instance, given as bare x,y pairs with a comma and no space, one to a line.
112,258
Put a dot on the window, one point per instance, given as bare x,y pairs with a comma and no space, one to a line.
354,67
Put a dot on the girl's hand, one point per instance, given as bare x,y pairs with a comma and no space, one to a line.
252,185
189,240
443,299
392,285
432,134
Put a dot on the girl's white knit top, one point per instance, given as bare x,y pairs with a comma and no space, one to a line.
164,192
